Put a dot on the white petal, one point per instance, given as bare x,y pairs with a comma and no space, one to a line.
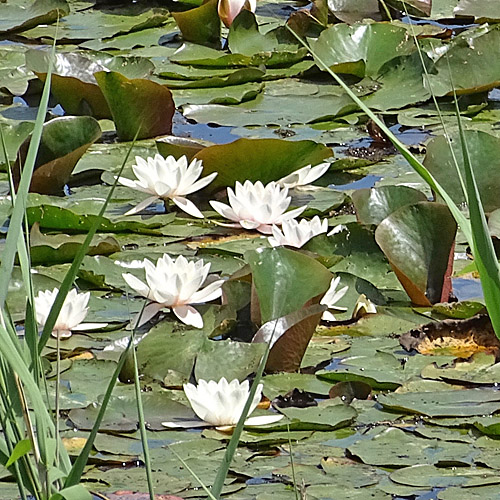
328,316
136,284
83,327
187,206
149,312
189,315
142,205
224,210
263,420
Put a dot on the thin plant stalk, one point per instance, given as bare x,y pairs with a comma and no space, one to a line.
292,464
140,413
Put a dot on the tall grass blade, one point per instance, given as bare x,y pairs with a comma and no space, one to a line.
482,245
409,157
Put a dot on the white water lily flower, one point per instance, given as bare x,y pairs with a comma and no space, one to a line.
168,179
296,234
71,315
303,176
221,404
363,307
175,284
253,206
229,9
331,297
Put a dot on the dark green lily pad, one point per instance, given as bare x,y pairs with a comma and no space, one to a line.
140,108
258,159
375,204
64,140
418,240
285,280
484,152
478,47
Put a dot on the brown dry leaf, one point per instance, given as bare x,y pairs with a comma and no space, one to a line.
458,337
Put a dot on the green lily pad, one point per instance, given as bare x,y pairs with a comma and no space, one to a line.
477,47
14,75
328,415
285,280
289,337
64,140
361,49
17,18
392,447
140,108
484,152
245,38
455,403
418,239
282,383
375,204
258,159
201,24
45,249
14,135
430,476
73,81
88,24
179,146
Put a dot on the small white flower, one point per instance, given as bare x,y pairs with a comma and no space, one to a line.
303,176
363,307
221,404
229,9
168,178
253,206
297,234
331,297
71,315
175,284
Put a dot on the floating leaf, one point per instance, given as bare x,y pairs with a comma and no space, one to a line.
179,146
201,24
418,241
454,403
19,18
328,415
361,49
64,140
50,249
375,204
289,337
285,280
139,107
392,447
484,152
258,159
73,83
